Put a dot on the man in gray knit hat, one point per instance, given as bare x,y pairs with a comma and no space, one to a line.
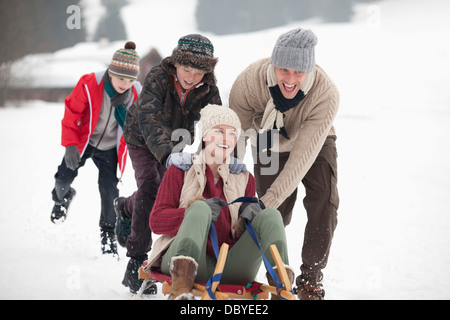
290,103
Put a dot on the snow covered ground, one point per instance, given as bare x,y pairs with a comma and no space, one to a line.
392,67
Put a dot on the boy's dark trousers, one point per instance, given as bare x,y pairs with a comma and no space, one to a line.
148,174
321,203
106,162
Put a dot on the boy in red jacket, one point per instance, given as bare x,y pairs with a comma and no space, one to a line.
92,128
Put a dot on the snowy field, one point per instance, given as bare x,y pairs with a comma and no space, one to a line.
392,67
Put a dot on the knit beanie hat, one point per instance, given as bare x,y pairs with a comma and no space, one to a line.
213,115
196,51
125,62
295,50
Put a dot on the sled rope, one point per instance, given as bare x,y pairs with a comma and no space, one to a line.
215,244
218,276
251,231
269,268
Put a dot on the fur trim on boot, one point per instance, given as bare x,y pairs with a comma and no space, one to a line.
183,271
291,276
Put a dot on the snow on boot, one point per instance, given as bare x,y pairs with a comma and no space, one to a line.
290,274
131,277
61,207
123,224
307,291
109,245
183,271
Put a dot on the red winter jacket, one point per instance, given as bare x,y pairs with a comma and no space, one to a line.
82,110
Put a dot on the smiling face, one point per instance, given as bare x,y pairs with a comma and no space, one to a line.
289,81
220,142
121,84
188,77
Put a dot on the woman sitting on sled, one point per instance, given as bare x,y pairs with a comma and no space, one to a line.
188,201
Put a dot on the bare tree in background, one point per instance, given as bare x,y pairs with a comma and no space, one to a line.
111,25
33,26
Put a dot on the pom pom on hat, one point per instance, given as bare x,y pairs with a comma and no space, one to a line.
125,62
130,45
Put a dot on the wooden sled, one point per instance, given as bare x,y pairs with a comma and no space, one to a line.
215,290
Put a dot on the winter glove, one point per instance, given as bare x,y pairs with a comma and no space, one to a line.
236,166
72,157
216,205
181,160
249,210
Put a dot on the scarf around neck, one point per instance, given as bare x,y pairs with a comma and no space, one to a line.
278,104
118,101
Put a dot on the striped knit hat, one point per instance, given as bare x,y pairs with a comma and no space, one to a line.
125,62
195,51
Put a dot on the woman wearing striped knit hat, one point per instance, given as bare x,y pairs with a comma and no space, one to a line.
92,128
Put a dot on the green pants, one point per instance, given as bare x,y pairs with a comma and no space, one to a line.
244,258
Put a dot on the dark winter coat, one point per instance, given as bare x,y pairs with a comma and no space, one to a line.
159,110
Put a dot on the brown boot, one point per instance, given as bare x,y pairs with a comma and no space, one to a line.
307,291
183,271
271,282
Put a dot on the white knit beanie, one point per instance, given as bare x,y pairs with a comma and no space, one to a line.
213,115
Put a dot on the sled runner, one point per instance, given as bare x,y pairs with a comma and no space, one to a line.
213,290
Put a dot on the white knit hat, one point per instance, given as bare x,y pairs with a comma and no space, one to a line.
213,115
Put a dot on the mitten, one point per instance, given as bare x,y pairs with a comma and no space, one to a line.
181,160
216,205
249,210
72,157
236,166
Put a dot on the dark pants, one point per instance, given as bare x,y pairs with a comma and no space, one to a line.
106,162
149,174
321,203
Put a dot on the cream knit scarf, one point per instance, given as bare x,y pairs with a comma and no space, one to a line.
273,118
